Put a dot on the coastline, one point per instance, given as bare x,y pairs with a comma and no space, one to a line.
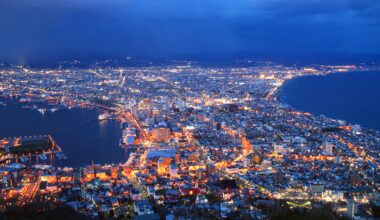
280,95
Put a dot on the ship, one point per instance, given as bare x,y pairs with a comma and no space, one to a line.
42,157
61,156
54,109
42,110
25,100
103,116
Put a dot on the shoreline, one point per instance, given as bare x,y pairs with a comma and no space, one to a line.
280,96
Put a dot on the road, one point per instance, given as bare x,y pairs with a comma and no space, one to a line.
28,193
132,179
135,123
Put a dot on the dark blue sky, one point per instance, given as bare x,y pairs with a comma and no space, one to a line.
38,30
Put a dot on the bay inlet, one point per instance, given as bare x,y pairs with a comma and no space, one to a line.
352,96
82,138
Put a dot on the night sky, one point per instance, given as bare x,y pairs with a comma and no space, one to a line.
42,30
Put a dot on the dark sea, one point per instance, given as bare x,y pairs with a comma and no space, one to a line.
353,97
82,138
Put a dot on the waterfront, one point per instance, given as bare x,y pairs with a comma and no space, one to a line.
82,138
349,96
217,134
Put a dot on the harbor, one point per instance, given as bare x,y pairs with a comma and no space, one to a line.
82,137
30,150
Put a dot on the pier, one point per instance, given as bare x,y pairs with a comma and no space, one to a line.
24,149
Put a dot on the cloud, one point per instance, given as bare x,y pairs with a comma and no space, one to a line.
60,29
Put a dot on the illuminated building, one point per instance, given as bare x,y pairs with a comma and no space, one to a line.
143,207
50,178
173,170
210,168
266,164
352,208
328,147
337,159
257,158
163,165
317,188
177,157
161,134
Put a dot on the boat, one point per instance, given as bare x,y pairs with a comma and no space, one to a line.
61,156
103,116
42,110
25,100
42,157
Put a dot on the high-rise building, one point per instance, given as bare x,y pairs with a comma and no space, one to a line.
210,168
337,159
163,165
328,147
352,208
177,157
173,170
317,188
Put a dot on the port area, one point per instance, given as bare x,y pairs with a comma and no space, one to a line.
130,137
29,150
